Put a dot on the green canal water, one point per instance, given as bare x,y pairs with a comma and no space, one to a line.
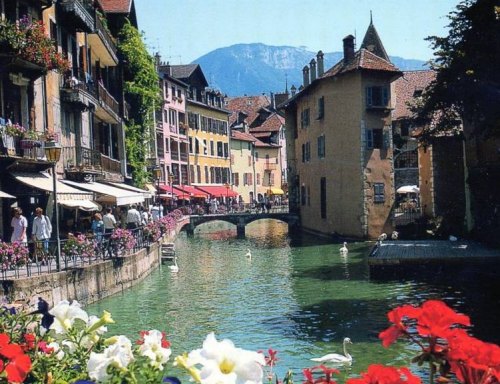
299,297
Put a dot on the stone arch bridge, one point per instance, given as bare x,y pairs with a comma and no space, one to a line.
241,220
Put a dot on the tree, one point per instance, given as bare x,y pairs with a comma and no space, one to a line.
143,93
467,85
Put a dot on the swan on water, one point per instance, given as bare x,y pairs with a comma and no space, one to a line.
394,235
175,267
335,358
382,237
248,254
344,249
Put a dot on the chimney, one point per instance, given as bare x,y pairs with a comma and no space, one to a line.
157,60
312,65
305,73
321,65
293,90
348,49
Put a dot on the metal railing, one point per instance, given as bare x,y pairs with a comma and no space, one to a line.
81,158
42,257
106,38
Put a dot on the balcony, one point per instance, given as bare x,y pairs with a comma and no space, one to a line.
81,160
80,91
78,13
110,165
15,147
109,105
103,44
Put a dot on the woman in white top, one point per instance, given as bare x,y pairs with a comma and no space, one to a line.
19,225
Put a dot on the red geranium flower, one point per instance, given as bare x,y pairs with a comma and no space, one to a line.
380,374
396,316
436,319
472,360
19,364
18,368
327,379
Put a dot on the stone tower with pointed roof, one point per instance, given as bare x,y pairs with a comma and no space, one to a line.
339,143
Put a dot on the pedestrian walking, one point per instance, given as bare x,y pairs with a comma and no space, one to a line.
155,212
109,221
19,225
134,218
97,227
42,228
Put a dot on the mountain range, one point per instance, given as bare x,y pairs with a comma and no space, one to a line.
252,69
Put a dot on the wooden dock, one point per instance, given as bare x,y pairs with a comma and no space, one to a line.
401,252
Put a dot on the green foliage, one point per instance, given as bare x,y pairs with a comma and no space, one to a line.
143,93
467,85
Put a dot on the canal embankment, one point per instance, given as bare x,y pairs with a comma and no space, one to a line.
89,283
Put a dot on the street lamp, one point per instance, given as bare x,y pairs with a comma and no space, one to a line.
157,175
227,192
171,183
53,154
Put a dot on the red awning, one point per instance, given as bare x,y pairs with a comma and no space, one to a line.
167,189
217,190
191,191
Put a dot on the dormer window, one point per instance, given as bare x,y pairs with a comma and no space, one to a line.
377,97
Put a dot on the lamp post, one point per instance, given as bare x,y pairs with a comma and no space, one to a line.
157,176
171,183
53,154
227,192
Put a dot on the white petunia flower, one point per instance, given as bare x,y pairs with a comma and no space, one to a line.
223,363
94,325
65,315
118,355
59,353
153,348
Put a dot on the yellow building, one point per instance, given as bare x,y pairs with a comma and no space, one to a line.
339,147
243,165
208,133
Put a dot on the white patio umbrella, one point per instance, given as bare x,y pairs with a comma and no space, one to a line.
408,189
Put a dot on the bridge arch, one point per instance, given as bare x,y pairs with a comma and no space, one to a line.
241,220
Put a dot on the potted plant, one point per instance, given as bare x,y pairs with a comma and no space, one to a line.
31,139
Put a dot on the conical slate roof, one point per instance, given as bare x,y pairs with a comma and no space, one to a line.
372,42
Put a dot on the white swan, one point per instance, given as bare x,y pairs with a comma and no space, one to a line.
174,268
335,358
248,254
382,237
394,235
343,250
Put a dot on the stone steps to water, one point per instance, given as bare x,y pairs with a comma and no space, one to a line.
429,251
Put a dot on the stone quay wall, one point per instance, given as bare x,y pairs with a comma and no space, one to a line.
90,283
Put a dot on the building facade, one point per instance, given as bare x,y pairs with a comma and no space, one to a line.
339,142
208,131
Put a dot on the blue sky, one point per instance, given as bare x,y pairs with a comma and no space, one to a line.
184,30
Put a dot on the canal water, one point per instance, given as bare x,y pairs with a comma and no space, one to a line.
299,297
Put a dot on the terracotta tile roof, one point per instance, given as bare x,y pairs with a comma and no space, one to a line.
237,135
261,144
405,89
272,124
363,59
116,6
248,104
259,135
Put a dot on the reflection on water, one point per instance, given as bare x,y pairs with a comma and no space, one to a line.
299,297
